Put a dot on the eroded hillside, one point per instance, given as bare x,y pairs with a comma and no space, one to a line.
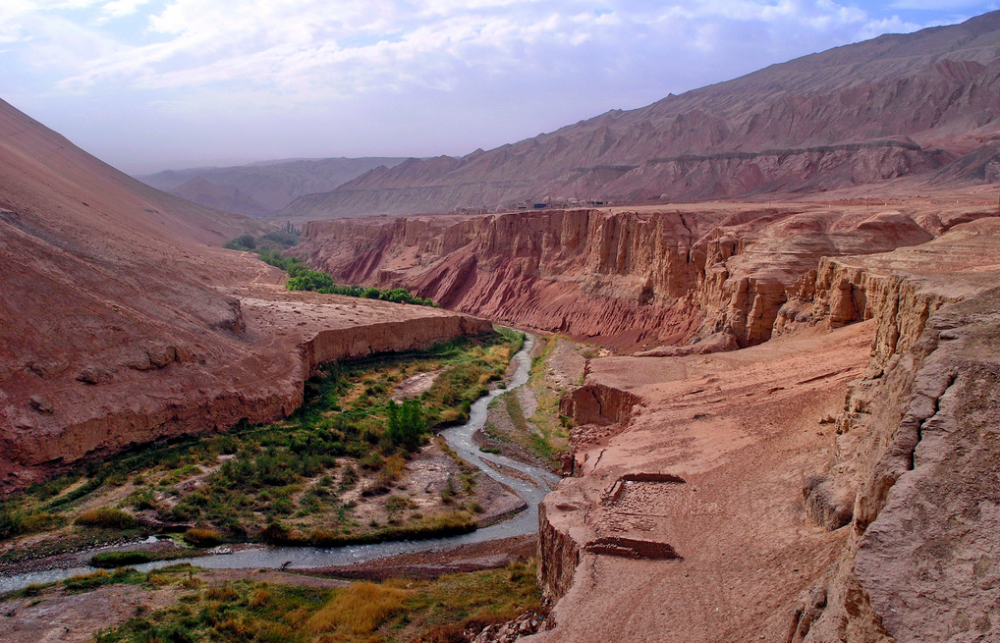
921,105
717,274
738,497
120,325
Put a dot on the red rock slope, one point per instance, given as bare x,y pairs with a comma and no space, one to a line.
918,104
629,278
837,483
119,325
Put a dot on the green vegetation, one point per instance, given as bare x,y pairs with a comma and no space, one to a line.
406,424
202,537
303,480
553,429
15,522
107,518
546,433
115,559
270,249
393,611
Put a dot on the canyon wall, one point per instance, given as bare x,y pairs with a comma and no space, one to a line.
54,416
893,534
914,470
120,324
628,278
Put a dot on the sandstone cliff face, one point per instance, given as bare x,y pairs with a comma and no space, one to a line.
896,518
627,278
917,449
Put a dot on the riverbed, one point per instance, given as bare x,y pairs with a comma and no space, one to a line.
532,490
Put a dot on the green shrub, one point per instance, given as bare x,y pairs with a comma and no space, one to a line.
201,537
107,518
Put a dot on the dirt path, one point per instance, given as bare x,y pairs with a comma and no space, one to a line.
415,386
75,618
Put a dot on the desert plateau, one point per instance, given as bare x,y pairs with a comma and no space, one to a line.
724,368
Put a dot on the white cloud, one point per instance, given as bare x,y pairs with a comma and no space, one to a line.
120,8
526,65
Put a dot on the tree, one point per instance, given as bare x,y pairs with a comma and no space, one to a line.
407,423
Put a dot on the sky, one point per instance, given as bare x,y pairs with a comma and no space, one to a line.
155,84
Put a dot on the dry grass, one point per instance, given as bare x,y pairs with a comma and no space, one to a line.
358,609
107,518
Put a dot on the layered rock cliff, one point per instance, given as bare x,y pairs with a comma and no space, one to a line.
795,515
630,278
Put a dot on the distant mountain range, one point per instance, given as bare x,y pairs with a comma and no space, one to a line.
925,104
261,189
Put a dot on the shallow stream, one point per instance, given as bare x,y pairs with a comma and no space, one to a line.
460,439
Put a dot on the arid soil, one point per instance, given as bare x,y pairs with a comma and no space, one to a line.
431,564
122,326
77,617
709,462
737,496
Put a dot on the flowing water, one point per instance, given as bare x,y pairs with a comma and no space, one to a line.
460,439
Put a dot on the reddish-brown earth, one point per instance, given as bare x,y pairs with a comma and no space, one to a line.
923,104
119,325
788,513
717,274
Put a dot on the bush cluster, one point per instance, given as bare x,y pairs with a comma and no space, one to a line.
302,278
107,518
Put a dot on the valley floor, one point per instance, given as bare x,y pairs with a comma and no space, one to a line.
699,498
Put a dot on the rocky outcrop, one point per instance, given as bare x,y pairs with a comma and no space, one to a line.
598,404
902,504
916,446
631,279
558,555
387,337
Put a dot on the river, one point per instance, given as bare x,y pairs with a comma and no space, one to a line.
460,439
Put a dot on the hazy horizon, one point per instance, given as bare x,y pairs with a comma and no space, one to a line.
149,85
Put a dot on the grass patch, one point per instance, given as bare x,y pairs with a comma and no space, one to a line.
202,537
400,611
112,559
358,609
294,473
90,582
107,518
116,559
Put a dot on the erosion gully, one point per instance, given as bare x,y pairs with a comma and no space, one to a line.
459,438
